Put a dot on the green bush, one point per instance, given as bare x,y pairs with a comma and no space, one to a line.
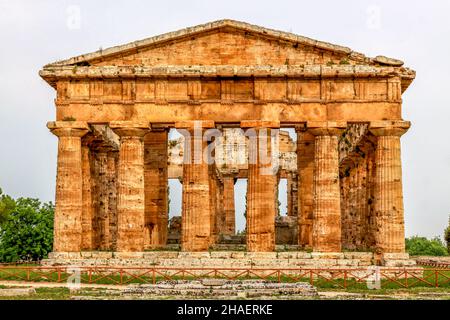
421,246
27,233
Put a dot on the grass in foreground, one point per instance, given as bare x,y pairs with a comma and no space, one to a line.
428,280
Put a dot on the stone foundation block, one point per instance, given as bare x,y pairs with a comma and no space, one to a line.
327,255
128,255
58,255
74,255
261,255
86,254
299,262
193,255
358,255
221,254
102,255
347,262
395,256
399,263
365,263
160,255
304,255
238,255
241,263
287,255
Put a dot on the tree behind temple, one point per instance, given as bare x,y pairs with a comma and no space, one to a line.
27,233
7,205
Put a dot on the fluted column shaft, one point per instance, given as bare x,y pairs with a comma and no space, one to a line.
87,210
228,204
111,173
69,194
196,199
305,167
102,214
261,187
327,205
156,202
130,187
215,218
388,202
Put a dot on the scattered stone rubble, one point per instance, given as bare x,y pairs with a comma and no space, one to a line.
219,287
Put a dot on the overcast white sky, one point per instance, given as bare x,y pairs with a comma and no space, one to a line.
33,33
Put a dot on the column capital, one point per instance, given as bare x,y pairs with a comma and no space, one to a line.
260,124
326,128
68,128
389,128
192,124
130,128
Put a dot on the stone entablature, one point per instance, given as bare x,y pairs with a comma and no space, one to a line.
345,108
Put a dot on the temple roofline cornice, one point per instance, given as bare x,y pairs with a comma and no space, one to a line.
54,73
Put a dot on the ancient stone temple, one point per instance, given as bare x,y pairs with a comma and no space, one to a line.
115,107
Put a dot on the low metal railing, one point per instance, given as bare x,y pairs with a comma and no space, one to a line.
325,277
433,263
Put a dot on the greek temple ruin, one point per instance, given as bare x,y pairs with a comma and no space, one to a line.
115,107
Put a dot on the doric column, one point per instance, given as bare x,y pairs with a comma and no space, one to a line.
104,158
101,218
69,178
156,179
196,208
87,209
327,200
215,219
305,194
261,186
388,202
228,204
130,185
111,174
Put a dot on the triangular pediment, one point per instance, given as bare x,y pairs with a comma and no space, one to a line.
225,42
